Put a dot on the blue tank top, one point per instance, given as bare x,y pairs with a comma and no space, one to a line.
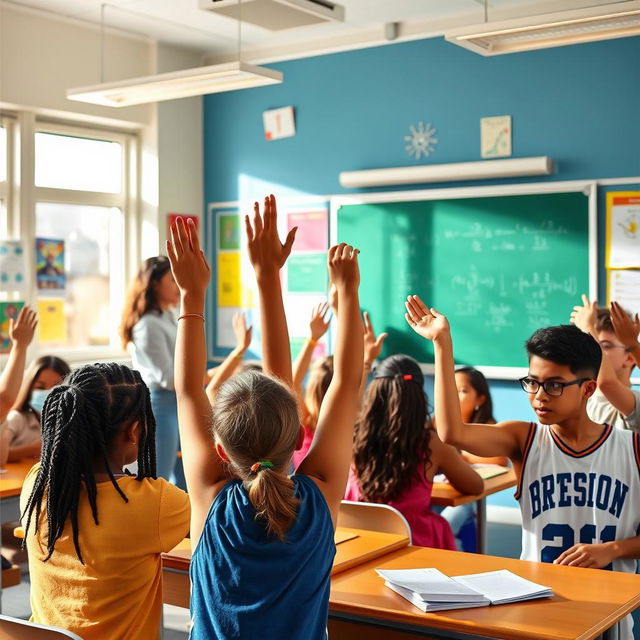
247,584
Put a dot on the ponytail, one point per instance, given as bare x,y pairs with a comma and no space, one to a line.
272,495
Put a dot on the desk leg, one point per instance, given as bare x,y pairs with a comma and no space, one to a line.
481,526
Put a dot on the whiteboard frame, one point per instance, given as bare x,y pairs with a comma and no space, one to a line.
587,187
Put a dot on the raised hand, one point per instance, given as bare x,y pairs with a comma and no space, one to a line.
22,329
626,329
372,345
320,320
428,323
188,264
343,267
241,332
585,316
266,252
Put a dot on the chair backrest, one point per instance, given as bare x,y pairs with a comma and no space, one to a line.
373,517
15,629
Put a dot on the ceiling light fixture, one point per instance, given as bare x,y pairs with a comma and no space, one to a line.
177,84
603,22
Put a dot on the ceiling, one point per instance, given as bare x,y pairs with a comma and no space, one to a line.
181,23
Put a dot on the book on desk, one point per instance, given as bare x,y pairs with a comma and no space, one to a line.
431,590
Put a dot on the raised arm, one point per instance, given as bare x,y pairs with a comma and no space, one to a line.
318,326
21,333
231,362
627,331
372,349
617,393
268,255
502,439
203,468
329,458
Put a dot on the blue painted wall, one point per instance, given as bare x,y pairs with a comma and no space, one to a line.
578,104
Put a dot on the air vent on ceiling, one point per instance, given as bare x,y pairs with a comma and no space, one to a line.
277,15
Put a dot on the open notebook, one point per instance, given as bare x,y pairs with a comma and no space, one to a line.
432,590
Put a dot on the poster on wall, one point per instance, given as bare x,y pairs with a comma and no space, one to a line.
50,273
228,232
8,311
52,323
13,267
623,230
313,230
624,288
229,284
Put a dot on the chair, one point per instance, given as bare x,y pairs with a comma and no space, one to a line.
16,629
373,517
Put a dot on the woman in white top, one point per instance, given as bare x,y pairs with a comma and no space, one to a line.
148,330
20,435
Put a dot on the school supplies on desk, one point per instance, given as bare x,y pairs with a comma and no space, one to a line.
431,590
343,536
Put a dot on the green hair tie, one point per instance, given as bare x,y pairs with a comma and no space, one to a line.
263,464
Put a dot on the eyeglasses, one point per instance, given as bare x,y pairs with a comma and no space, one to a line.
551,387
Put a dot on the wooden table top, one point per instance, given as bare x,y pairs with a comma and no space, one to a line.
444,495
12,479
364,546
586,602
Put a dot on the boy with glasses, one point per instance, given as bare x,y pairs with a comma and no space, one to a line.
579,481
614,401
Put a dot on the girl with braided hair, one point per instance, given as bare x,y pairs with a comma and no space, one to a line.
396,454
94,533
262,540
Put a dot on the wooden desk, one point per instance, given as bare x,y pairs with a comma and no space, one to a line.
11,482
444,495
366,546
586,603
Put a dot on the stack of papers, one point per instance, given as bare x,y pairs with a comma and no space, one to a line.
432,590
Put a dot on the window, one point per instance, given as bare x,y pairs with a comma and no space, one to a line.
81,200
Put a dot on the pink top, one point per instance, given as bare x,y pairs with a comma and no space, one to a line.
300,454
428,529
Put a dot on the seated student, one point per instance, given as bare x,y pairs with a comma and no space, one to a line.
614,401
396,453
476,406
262,541
94,534
579,481
21,430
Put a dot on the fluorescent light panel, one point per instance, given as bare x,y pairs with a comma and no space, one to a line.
602,22
452,172
176,84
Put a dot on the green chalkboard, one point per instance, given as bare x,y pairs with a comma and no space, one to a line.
498,267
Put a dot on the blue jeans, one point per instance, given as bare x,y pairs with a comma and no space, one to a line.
165,410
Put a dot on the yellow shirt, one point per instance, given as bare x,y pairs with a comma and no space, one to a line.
117,593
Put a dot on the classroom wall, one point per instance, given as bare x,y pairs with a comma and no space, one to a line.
577,104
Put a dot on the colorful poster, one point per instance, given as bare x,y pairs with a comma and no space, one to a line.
297,343
307,273
313,230
8,311
52,322
623,230
13,267
225,337
50,264
229,283
624,287
172,217
228,232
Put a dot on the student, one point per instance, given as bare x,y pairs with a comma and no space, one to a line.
94,534
476,406
579,481
231,363
626,330
21,431
320,376
396,453
21,331
263,541
614,402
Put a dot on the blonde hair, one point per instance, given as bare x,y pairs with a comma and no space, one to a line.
320,377
255,419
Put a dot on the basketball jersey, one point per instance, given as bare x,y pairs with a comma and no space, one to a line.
570,497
